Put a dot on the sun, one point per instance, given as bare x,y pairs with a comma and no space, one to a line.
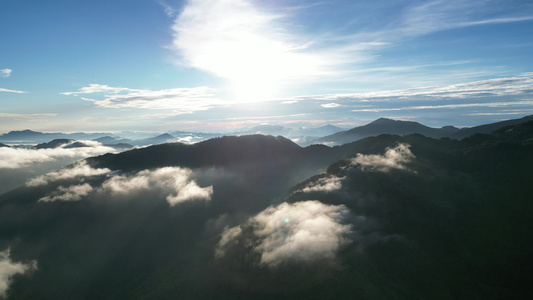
246,46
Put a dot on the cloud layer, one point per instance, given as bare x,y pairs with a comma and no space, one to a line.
9,268
394,158
79,170
303,232
11,158
175,182
325,184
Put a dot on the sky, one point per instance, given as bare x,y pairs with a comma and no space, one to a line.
221,65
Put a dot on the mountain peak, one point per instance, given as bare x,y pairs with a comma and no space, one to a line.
383,121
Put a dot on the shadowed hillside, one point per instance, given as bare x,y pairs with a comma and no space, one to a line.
256,216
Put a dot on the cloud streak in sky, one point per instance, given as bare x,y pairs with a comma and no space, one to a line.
26,116
12,91
5,73
180,100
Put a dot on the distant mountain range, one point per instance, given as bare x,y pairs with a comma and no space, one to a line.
388,126
328,134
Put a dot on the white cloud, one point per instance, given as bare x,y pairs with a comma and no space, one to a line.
169,10
394,158
12,91
498,87
5,72
175,181
26,116
71,193
330,105
79,170
448,106
438,15
239,41
327,184
303,232
11,158
181,100
9,268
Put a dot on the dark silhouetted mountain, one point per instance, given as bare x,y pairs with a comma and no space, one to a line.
3,145
106,140
111,141
223,151
385,126
444,219
274,130
160,139
120,146
76,145
319,131
193,137
54,144
27,135
488,128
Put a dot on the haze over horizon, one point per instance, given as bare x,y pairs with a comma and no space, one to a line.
210,65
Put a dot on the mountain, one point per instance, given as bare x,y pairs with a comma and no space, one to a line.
488,128
266,129
218,152
193,137
160,139
385,126
319,131
3,145
54,144
260,217
25,135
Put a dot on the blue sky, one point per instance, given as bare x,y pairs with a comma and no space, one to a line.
218,65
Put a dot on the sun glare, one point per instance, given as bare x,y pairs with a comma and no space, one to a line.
236,41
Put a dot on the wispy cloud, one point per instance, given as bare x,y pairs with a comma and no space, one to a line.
304,232
438,15
325,184
449,106
5,72
497,87
78,170
180,100
9,268
169,10
12,158
249,45
241,42
12,91
26,116
175,181
70,193
330,105
394,158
